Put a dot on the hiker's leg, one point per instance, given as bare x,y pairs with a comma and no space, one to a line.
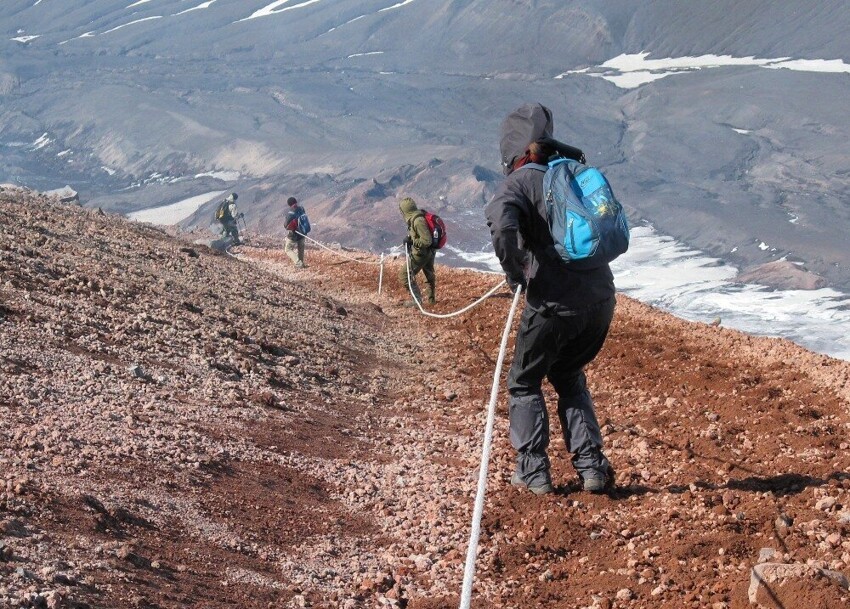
529,420
430,276
291,250
580,337
416,263
301,250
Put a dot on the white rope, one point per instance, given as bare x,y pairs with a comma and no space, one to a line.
472,550
338,253
442,315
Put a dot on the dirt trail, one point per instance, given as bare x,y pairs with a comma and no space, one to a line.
182,428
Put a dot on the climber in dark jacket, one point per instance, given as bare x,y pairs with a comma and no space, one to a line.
566,317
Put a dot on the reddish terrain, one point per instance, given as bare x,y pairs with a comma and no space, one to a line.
182,428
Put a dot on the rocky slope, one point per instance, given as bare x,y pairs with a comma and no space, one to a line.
185,428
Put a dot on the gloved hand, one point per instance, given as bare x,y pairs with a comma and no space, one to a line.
408,242
517,282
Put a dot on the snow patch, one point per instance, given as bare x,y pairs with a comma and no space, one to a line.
195,8
365,54
41,142
168,215
133,23
629,71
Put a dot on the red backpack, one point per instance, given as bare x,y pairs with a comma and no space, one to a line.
437,228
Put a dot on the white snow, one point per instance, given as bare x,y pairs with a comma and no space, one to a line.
834,66
195,8
346,23
133,23
741,131
226,176
689,284
763,246
41,142
629,71
272,9
365,54
399,5
167,215
138,3
24,39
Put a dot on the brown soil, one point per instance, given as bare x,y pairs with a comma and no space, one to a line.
295,439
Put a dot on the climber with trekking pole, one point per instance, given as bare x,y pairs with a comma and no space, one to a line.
227,215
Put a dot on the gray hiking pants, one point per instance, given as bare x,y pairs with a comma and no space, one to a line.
557,345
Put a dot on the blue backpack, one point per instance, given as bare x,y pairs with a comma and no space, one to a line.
587,223
303,223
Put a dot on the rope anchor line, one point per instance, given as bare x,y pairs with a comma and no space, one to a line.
442,315
475,531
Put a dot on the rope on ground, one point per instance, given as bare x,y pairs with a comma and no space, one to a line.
472,550
338,253
442,315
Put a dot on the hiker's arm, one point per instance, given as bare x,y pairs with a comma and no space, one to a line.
422,236
503,218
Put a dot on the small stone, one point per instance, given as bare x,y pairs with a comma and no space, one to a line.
624,594
783,521
826,503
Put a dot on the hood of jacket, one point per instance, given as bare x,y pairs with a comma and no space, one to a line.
408,208
526,124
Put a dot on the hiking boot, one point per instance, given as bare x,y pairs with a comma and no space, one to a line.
300,265
597,483
543,488
432,300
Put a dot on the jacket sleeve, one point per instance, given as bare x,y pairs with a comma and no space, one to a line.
291,221
420,234
506,213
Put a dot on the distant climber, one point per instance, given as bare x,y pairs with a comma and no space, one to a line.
227,214
420,252
566,317
298,225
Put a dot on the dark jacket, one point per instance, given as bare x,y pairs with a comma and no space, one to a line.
291,222
517,219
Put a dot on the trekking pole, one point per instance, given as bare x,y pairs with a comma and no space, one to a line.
244,224
381,274
469,570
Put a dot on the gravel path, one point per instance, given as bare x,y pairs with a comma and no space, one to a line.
185,428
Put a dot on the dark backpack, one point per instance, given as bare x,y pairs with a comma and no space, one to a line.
587,223
222,213
303,223
437,228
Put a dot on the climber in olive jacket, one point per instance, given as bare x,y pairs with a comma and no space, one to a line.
419,249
